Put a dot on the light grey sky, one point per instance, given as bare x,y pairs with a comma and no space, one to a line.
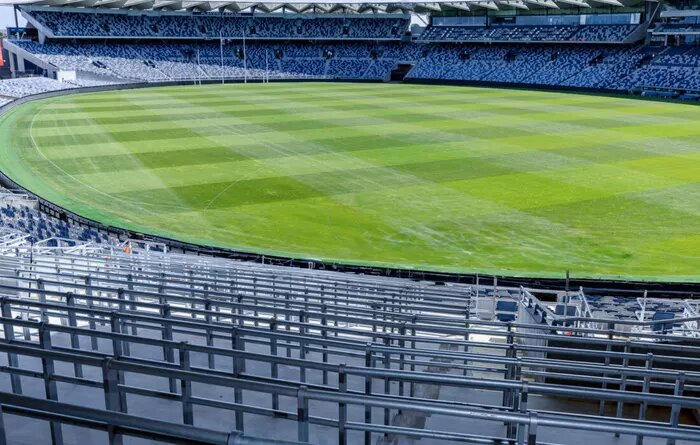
7,18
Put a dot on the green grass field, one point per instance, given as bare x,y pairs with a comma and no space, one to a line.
431,177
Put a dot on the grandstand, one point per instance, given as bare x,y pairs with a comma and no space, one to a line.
322,357
576,51
116,336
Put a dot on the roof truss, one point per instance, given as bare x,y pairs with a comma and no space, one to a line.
345,7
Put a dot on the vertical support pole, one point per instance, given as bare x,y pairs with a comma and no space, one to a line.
324,335
50,388
374,318
302,344
186,386
122,327
303,414
9,333
532,430
414,320
190,278
520,434
42,299
467,325
516,398
74,340
273,364
130,280
238,367
342,406
209,332
402,356
167,335
287,319
387,380
508,373
113,399
645,390
118,352
3,434
368,392
384,313
91,305
239,310
601,408
676,408
255,302
623,380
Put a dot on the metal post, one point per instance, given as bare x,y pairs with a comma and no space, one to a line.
466,335
209,332
287,319
238,368
368,392
50,389
303,415
113,398
91,304
74,340
302,345
3,435
245,65
221,54
130,286
623,381
342,406
273,365
645,389
167,334
509,372
414,320
532,430
387,380
117,350
520,434
402,357
122,327
9,333
42,299
117,353
601,408
324,335
186,386
676,409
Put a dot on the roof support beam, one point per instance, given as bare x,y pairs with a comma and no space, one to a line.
346,7
517,4
609,2
543,3
132,3
486,5
579,3
110,3
462,6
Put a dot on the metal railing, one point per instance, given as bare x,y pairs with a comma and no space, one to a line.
363,347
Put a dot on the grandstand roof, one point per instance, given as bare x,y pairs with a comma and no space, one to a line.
304,6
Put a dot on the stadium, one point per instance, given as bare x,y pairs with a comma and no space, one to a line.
386,223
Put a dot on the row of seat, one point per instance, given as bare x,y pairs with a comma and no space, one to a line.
539,33
94,24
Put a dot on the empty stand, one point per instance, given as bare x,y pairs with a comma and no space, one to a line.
322,357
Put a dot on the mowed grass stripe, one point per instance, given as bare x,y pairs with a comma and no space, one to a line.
261,111
445,164
446,178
